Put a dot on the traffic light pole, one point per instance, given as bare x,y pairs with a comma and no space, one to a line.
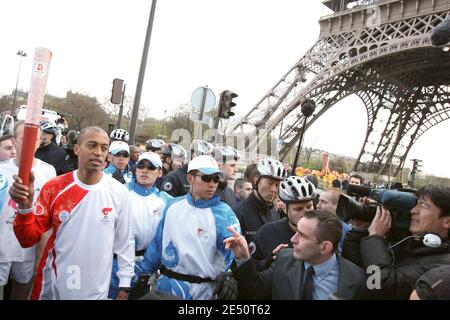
119,119
219,112
137,96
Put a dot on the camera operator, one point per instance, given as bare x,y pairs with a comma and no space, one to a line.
69,148
401,268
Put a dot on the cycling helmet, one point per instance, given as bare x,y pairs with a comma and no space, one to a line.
201,147
119,134
173,150
49,127
154,144
226,153
294,189
271,168
178,151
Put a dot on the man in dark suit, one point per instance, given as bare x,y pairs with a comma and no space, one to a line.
311,270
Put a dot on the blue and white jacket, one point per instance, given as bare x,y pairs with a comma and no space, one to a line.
127,175
147,205
189,240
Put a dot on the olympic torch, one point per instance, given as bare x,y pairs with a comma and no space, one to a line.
36,93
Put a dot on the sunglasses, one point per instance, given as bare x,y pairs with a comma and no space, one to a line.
143,165
209,178
122,154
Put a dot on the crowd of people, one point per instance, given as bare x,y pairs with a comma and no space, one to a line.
102,219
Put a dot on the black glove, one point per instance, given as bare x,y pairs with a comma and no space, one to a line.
226,287
118,176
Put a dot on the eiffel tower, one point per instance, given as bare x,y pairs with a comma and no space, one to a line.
381,52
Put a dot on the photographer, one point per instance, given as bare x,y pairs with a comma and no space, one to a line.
401,268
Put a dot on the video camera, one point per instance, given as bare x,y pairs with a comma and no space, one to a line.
399,203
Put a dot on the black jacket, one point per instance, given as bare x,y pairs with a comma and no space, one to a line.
270,236
175,182
54,155
226,193
253,214
283,280
398,277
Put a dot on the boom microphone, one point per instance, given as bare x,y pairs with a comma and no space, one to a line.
440,36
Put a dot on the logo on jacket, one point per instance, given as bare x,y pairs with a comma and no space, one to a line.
40,210
105,212
167,186
202,233
64,216
170,256
252,248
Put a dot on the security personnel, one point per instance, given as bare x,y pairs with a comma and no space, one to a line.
258,209
227,158
298,194
175,183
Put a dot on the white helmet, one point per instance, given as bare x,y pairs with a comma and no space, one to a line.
49,127
154,144
201,147
271,168
225,153
177,151
119,134
294,189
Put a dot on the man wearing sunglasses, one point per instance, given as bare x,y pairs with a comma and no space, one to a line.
147,205
119,156
188,247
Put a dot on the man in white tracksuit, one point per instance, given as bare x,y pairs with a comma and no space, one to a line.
188,247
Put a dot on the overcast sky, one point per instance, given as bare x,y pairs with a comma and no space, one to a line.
244,46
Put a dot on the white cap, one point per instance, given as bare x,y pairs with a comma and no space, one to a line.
117,146
152,157
205,164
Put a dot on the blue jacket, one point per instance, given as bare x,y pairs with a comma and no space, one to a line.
189,241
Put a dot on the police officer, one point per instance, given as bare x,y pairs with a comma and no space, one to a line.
298,194
258,209
173,180
176,183
227,158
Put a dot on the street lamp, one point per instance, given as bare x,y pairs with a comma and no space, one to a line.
308,107
21,54
162,127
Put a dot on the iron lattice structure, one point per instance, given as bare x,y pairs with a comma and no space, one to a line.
381,52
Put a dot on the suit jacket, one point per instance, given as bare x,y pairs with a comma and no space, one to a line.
283,280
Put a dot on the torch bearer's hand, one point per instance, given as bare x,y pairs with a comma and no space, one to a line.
21,194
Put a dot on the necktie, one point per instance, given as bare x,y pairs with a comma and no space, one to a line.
308,286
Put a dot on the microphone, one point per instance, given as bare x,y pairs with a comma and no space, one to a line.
440,36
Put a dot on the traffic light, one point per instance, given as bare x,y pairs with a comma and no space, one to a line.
416,165
226,103
116,94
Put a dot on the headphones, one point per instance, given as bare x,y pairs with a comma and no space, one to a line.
430,240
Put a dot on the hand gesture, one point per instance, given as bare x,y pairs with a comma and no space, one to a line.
278,249
238,244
